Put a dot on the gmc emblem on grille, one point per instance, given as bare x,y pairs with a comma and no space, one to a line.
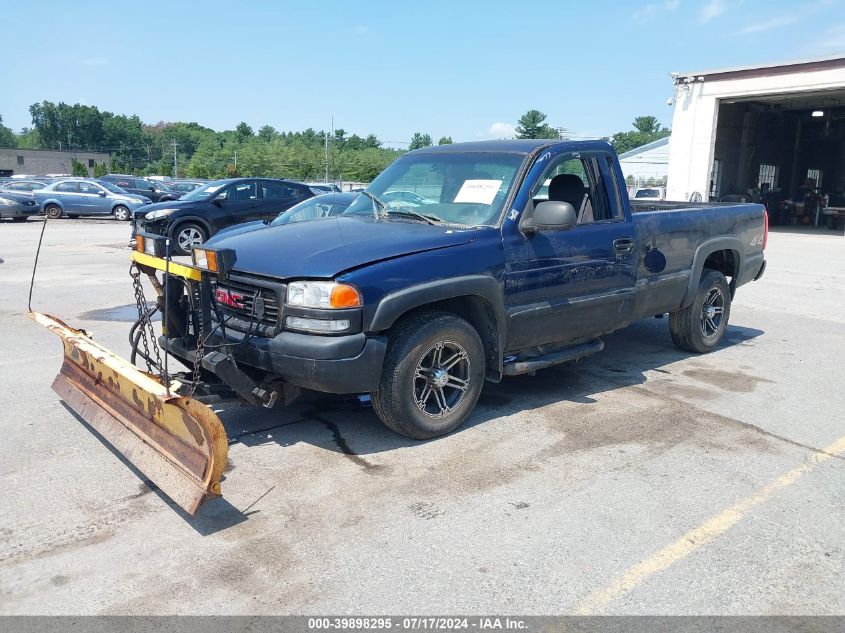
227,298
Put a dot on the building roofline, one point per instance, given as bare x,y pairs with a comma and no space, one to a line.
644,148
817,63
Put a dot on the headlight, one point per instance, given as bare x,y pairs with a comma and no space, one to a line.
7,202
158,214
323,294
216,260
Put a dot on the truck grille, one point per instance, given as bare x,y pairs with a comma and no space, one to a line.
241,301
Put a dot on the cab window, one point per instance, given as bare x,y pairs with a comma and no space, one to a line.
88,187
66,187
577,180
239,191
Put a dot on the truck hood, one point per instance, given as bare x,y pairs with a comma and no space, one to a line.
324,248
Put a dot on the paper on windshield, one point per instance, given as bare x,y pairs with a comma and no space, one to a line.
478,191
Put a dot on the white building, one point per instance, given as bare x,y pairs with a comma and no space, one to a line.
648,163
739,128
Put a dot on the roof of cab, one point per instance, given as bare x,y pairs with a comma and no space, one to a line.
517,146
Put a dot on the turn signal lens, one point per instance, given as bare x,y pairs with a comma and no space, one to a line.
139,244
203,258
344,297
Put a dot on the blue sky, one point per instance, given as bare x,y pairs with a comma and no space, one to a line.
465,69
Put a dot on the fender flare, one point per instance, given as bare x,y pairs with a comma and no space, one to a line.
54,201
704,250
394,305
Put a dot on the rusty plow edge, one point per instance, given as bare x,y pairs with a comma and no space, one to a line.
177,442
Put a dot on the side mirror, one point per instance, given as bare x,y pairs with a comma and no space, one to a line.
102,193
217,201
550,215
152,188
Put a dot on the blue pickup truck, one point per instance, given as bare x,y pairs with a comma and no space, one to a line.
509,257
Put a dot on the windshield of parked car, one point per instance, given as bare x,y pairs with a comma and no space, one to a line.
206,191
323,206
105,184
466,188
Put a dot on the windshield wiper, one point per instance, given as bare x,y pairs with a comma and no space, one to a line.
377,204
430,219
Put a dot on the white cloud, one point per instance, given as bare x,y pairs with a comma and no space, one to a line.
94,61
712,9
768,25
502,130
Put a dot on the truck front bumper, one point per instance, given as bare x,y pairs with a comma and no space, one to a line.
330,364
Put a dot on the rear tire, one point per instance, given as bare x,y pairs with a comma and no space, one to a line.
432,375
700,326
53,211
186,236
121,213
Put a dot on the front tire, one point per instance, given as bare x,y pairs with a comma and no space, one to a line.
121,213
53,211
186,236
432,375
700,326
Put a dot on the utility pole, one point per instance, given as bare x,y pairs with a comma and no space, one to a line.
175,145
236,160
326,150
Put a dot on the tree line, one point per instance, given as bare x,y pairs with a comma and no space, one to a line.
193,150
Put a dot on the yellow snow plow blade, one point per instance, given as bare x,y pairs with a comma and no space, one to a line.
178,442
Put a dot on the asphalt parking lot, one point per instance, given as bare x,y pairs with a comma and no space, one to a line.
641,480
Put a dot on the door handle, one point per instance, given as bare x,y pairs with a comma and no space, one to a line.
623,245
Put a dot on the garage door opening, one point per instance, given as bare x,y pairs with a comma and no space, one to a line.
786,151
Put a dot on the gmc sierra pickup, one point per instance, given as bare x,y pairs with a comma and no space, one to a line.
459,264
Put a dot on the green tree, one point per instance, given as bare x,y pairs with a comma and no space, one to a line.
420,140
647,129
100,170
243,132
77,168
267,133
445,140
7,137
532,125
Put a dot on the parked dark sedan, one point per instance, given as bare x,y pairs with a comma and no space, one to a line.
198,215
152,189
17,206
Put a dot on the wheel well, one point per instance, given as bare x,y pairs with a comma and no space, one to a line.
181,221
726,262
477,312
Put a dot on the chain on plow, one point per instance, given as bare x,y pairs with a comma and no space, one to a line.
147,333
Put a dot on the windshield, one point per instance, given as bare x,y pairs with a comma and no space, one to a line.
111,187
206,191
323,206
457,188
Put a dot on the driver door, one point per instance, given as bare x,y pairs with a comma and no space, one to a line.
238,202
566,286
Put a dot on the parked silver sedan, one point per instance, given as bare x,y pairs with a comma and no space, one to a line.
76,196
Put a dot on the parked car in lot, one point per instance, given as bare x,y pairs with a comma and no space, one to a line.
420,306
184,186
25,187
155,190
75,197
326,205
216,205
17,206
651,193
323,187
410,197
